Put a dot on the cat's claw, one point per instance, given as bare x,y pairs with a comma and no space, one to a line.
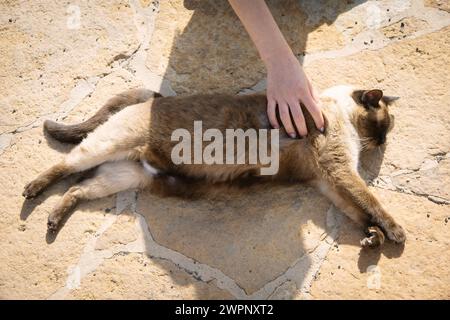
375,238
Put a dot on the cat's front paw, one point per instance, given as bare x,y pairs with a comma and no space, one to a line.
375,238
33,189
396,233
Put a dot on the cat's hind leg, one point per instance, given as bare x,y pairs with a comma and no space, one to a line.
117,139
109,178
73,164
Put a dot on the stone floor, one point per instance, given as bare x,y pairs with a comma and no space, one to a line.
61,61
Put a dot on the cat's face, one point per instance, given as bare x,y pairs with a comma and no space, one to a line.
373,119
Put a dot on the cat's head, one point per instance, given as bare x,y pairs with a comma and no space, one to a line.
373,120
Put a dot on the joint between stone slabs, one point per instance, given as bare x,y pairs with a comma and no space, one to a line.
432,198
6,142
205,273
202,272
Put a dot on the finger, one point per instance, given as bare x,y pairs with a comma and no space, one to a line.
313,92
298,117
315,112
286,119
271,113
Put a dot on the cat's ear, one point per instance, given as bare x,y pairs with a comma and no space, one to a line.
372,97
388,100
368,98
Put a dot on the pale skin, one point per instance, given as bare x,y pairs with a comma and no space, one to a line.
287,83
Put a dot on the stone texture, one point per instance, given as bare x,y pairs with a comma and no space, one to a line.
190,48
252,238
34,265
273,243
117,81
440,4
417,271
121,232
44,52
433,180
403,28
135,276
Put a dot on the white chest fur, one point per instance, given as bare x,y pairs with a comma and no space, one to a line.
344,106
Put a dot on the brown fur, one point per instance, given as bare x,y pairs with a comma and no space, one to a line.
323,160
35,187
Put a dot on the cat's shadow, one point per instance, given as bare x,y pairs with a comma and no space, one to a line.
199,214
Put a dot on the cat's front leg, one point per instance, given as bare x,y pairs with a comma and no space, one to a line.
375,237
355,192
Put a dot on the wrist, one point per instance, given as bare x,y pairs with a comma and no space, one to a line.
280,57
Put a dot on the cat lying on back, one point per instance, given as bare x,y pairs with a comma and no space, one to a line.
129,141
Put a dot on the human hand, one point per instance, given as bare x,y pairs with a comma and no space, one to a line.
287,86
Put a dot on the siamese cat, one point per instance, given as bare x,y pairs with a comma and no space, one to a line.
129,143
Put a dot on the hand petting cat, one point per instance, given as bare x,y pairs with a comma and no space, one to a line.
287,83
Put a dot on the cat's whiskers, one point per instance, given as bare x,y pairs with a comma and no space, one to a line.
365,144
380,151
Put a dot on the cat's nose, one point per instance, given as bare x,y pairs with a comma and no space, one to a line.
381,140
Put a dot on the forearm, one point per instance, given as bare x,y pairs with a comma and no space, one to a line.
263,30
287,83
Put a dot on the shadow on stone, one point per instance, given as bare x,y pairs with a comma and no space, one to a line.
213,52
369,257
28,207
371,162
59,188
255,237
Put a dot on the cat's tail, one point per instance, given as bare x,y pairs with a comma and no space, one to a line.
77,132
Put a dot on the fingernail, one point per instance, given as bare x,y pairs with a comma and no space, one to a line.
292,135
322,129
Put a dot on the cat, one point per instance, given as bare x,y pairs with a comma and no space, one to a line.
129,142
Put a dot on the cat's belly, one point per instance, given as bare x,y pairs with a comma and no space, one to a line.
216,159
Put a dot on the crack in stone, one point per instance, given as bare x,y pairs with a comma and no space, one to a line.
404,190
386,183
301,272
85,86
91,259
358,46
6,141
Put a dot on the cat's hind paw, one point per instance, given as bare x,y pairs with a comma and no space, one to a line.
52,224
375,238
33,189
